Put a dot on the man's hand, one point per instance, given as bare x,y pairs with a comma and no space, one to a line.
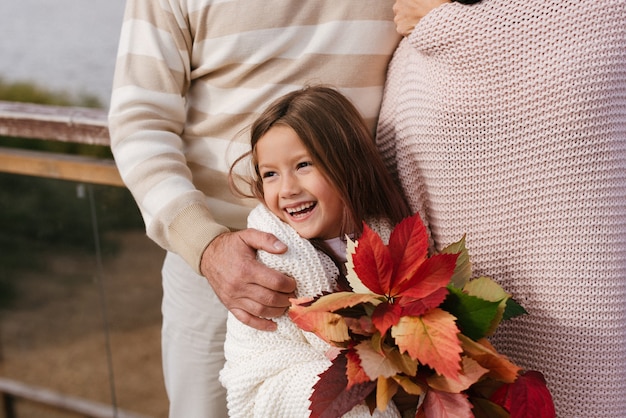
408,13
246,287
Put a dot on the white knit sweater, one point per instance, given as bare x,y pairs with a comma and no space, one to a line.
506,120
271,374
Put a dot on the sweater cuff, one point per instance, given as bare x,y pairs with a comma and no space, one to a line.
191,232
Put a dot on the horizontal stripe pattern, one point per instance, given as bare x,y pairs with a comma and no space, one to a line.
180,109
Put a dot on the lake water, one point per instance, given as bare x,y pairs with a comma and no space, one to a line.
63,45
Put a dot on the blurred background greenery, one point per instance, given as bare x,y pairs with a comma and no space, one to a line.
36,212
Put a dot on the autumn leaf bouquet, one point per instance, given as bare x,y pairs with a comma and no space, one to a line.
413,330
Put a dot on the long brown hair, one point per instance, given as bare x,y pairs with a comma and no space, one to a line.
340,144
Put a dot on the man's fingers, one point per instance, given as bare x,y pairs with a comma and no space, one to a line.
248,288
262,241
275,287
254,321
260,301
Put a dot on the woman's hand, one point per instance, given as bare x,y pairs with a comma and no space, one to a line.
409,12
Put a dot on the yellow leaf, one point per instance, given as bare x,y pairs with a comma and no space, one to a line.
432,340
355,283
385,390
408,385
486,288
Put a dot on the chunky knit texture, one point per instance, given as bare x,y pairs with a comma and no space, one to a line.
271,374
507,121
191,75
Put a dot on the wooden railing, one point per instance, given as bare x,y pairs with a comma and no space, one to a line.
66,124
11,391
56,123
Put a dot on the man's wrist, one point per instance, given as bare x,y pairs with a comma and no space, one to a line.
192,232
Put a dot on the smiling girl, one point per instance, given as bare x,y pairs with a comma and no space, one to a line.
318,175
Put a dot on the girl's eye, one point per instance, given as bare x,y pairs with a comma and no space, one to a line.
268,174
304,164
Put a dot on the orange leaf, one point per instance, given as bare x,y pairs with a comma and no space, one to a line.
471,373
329,326
432,340
375,364
499,366
318,317
334,301
354,371
448,405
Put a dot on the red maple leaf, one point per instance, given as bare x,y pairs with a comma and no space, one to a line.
527,397
331,397
411,282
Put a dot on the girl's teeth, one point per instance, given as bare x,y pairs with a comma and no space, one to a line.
301,208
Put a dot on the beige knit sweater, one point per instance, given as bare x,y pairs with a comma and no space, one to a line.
192,75
507,121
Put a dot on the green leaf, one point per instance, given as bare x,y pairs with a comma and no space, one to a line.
463,269
486,288
513,309
484,408
474,315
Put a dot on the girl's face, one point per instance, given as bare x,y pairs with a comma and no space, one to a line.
294,188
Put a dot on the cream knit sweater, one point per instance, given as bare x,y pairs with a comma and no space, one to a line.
507,121
271,374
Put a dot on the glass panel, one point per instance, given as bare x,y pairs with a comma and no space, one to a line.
80,295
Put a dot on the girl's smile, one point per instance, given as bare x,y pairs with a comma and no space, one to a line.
294,187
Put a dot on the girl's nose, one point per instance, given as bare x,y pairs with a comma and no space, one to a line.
289,186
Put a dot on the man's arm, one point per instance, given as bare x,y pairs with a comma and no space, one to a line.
146,120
